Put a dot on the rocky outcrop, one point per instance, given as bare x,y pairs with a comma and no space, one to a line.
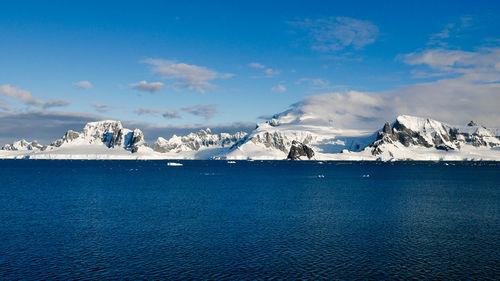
298,150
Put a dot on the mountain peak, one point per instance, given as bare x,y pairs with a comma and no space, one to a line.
472,124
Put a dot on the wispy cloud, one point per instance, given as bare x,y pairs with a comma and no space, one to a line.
171,114
5,108
267,71
450,30
337,33
315,83
482,65
192,77
144,86
265,117
271,72
27,98
280,88
206,111
102,108
256,65
55,103
83,84
147,111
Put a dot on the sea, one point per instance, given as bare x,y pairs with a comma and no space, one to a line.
249,220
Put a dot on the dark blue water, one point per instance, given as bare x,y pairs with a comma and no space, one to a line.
249,220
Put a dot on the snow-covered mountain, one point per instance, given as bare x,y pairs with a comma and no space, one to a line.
108,133
98,140
290,135
202,144
273,139
426,139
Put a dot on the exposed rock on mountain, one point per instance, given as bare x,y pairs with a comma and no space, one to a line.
409,131
273,139
196,141
109,133
298,150
303,137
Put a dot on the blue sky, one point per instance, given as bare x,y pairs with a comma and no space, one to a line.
218,62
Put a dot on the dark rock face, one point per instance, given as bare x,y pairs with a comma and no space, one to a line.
387,128
136,140
299,149
472,124
112,139
273,140
68,137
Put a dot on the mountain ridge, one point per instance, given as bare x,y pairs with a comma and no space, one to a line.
282,137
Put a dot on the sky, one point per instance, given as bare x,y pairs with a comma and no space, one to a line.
173,66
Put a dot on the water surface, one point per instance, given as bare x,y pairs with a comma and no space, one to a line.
249,220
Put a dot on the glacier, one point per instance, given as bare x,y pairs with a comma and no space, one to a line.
290,135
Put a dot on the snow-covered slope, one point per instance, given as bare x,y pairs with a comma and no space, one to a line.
273,139
290,135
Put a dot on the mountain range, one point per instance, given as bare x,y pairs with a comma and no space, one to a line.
288,135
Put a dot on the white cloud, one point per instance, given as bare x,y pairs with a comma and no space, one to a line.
280,88
206,111
83,84
27,98
338,33
256,65
471,93
192,77
470,90
144,86
481,65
